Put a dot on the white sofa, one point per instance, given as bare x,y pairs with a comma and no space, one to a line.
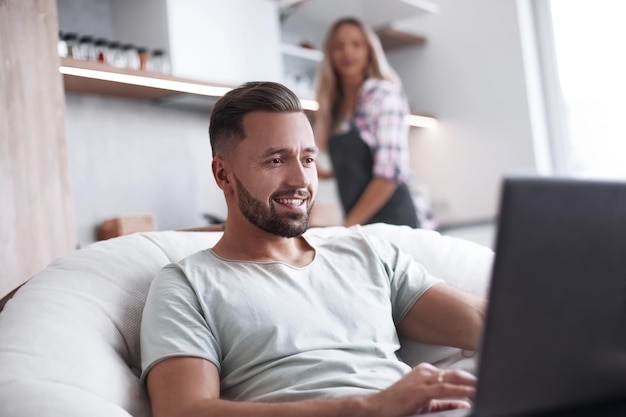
69,338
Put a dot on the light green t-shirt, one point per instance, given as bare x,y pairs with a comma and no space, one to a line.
281,333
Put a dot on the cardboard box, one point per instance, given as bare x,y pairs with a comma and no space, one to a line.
124,225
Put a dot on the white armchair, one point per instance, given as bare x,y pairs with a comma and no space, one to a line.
69,338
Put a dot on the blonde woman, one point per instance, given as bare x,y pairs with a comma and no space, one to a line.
361,125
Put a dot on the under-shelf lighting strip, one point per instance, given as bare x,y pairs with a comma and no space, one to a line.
173,85
426,122
201,89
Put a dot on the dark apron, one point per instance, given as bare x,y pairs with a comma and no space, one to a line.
353,165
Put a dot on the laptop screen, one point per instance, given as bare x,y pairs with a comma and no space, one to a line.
555,333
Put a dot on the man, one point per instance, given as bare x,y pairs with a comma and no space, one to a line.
269,322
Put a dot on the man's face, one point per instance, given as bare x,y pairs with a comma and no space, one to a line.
275,173
290,224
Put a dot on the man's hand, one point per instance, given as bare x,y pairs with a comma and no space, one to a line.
425,389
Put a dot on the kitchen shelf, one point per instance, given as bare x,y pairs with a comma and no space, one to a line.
391,38
309,54
102,79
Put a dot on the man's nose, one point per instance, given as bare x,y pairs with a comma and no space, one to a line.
298,176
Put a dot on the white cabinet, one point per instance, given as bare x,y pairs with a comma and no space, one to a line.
377,13
308,21
229,42
300,69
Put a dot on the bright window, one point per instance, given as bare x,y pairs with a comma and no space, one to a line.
590,45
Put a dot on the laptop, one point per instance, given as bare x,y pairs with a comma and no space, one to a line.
555,331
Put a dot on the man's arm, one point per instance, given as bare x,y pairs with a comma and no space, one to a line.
189,387
444,315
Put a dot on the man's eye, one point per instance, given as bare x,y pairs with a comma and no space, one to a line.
309,160
276,161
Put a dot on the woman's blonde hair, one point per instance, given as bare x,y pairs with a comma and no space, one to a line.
329,92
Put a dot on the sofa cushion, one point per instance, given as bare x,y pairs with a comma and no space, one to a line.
74,327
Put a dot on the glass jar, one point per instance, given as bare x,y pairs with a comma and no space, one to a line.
62,45
144,58
101,47
159,62
115,55
131,55
71,40
87,51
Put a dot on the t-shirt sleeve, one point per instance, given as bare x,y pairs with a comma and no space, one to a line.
408,279
173,324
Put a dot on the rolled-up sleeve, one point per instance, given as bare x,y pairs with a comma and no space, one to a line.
381,120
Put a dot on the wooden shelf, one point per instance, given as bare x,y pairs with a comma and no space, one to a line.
390,39
102,79
393,39
314,55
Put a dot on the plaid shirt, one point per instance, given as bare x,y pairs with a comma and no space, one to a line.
380,117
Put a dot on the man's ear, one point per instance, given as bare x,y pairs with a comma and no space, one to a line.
221,173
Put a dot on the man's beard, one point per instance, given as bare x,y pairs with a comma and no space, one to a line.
266,218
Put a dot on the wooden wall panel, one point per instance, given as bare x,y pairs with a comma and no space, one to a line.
36,219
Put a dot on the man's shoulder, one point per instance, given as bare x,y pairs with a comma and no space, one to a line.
186,266
204,256
333,234
339,239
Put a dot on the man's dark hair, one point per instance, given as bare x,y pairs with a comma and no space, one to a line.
226,125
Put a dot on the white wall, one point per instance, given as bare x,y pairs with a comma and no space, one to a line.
130,157
470,75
